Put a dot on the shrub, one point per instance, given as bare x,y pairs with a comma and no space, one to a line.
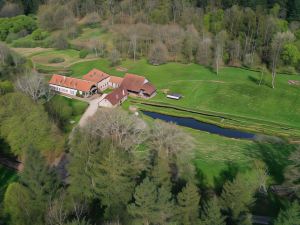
15,25
39,35
56,60
83,53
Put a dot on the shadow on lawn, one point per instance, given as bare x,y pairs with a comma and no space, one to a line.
274,155
256,81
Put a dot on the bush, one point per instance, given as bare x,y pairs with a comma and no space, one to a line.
16,25
56,60
39,35
83,53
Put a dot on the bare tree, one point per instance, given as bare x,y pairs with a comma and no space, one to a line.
126,131
97,46
280,39
220,40
115,57
33,84
262,175
204,51
57,213
158,54
169,138
10,10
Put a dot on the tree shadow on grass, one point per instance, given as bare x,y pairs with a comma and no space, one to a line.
274,155
256,81
228,174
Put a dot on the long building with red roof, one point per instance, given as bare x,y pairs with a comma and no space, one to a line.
72,86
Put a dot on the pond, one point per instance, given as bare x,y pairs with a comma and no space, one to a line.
195,124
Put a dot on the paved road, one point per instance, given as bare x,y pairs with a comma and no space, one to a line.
91,110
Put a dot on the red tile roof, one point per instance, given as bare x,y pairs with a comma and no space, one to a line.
70,82
116,95
116,80
133,82
95,76
148,88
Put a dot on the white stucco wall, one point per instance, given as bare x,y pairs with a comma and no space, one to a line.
103,85
64,90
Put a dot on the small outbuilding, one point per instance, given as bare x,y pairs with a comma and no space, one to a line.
174,96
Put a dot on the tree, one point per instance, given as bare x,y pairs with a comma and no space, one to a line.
26,202
17,204
125,131
24,123
278,42
220,40
152,205
114,181
158,54
290,54
290,216
144,206
236,199
262,175
188,205
40,179
170,144
34,85
211,213
292,172
83,156
114,57
204,51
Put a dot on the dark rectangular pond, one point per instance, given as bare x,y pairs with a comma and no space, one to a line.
195,124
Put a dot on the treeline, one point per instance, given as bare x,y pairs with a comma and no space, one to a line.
121,171
168,8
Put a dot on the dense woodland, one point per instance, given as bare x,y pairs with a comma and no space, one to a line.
120,169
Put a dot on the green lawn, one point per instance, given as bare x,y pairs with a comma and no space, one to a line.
234,92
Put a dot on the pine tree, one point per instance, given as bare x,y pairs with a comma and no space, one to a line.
83,153
144,207
188,205
153,205
237,197
38,177
290,216
211,213
114,181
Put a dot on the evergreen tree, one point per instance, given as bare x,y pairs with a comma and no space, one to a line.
144,207
152,205
188,205
290,216
237,197
211,214
83,153
27,201
114,181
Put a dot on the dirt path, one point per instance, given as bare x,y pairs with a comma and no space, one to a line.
91,110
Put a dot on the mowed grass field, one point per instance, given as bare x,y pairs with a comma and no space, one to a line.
235,91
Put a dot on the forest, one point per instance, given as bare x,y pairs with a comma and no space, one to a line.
122,169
